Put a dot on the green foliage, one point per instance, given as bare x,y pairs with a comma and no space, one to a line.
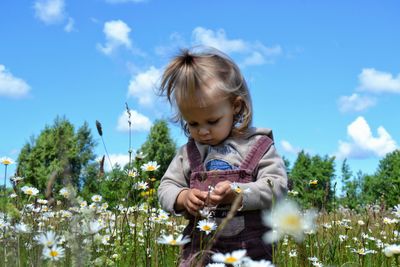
159,145
58,155
351,187
321,170
385,183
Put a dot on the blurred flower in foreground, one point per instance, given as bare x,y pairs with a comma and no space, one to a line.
6,161
392,250
230,258
170,240
150,166
286,218
54,253
248,262
96,198
207,226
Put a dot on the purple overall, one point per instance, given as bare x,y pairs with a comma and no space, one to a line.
249,235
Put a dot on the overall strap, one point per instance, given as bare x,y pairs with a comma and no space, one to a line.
194,156
257,152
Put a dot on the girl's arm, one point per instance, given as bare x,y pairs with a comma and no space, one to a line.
271,182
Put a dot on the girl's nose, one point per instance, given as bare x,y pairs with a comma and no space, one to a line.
203,131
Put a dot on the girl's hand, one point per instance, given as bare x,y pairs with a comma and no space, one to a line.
192,200
222,193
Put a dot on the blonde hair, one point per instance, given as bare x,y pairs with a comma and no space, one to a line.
205,67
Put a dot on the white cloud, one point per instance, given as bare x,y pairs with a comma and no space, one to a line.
139,122
363,144
355,102
69,27
218,40
50,11
120,159
12,86
255,53
117,34
378,81
142,86
287,147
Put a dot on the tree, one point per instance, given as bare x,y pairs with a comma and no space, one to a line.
57,157
385,183
159,145
312,178
350,187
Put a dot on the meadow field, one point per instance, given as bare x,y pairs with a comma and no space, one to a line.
70,231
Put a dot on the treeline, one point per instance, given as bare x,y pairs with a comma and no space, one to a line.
62,156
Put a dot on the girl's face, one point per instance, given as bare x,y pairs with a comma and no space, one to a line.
211,123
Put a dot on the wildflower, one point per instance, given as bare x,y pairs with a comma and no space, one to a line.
140,155
93,227
132,173
229,258
363,251
235,187
206,226
4,224
392,250
396,210
286,218
96,198
170,240
42,201
313,182
215,265
54,253
13,195
48,239
22,228
6,161
30,191
248,262
83,204
64,192
343,238
293,193
105,239
292,253
361,222
16,179
142,186
150,166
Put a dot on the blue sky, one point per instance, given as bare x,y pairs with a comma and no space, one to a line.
324,75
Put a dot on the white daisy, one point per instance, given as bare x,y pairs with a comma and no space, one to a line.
54,253
150,166
48,239
207,226
96,198
170,240
6,161
229,258
30,191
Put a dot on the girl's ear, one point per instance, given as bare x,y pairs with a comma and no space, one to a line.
237,104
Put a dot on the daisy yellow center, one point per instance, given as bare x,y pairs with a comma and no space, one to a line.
151,168
206,228
29,192
172,242
292,221
230,259
6,162
238,190
54,253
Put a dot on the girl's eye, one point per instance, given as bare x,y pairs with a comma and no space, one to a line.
214,122
192,124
